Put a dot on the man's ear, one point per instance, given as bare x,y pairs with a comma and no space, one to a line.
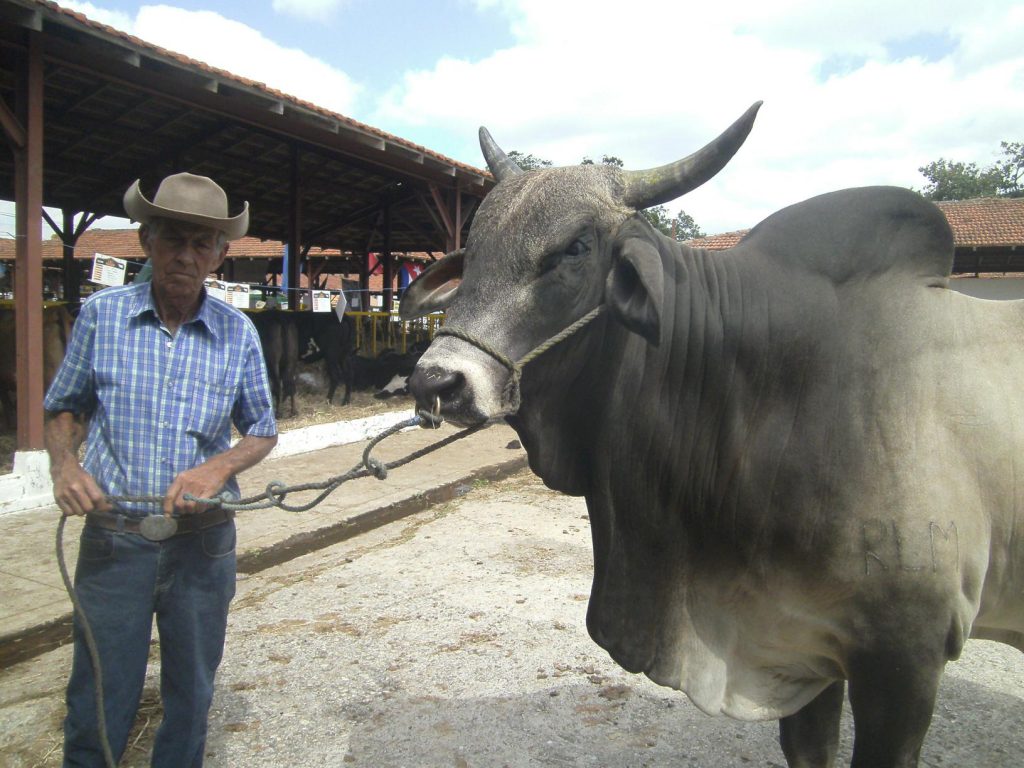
144,239
434,289
223,255
635,286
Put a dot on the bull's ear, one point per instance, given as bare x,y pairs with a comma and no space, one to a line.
634,291
435,288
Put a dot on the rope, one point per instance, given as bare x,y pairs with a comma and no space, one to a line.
90,644
511,392
273,496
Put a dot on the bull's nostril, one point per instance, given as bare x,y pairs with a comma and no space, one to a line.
430,384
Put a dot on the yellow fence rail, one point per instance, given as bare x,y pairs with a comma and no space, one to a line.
378,331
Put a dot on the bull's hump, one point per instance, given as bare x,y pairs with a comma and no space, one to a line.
860,233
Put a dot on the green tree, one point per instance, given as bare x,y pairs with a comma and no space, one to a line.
682,227
605,160
952,180
1012,168
528,162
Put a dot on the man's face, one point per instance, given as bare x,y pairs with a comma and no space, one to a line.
182,256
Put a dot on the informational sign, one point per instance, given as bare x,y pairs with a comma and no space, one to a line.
216,288
108,270
237,295
321,301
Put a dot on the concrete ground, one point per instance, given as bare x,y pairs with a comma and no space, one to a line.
455,638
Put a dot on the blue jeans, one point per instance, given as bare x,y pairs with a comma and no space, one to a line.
122,579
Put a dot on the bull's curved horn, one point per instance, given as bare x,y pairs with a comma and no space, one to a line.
499,163
667,182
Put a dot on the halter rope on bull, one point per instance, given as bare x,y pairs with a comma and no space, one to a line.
274,495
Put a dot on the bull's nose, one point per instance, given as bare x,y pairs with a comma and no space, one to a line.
429,384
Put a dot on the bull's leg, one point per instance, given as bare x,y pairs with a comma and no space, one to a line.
348,376
810,737
331,387
892,695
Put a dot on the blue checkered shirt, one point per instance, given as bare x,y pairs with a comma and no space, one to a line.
160,404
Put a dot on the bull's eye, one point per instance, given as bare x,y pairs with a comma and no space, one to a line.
577,248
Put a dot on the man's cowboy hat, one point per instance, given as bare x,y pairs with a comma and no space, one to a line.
187,197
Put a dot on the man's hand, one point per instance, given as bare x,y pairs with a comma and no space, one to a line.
75,490
203,482
209,478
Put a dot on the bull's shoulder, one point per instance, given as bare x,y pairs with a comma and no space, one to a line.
860,233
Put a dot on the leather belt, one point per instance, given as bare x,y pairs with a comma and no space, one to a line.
185,523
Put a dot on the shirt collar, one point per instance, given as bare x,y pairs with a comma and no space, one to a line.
142,304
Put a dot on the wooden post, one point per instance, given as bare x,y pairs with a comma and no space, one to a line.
387,262
28,273
294,231
72,275
458,219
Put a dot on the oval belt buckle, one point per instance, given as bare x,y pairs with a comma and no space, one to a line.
158,527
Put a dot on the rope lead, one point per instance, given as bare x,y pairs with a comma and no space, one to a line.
512,393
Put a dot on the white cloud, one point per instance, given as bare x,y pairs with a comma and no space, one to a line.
650,81
116,19
308,9
237,48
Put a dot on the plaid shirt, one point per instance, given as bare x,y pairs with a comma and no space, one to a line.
160,404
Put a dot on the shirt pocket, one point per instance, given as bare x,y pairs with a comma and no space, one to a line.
208,410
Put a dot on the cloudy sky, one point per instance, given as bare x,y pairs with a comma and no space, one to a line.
855,91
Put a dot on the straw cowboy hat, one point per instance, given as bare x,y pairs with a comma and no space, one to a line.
187,197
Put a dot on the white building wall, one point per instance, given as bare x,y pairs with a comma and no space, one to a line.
1001,288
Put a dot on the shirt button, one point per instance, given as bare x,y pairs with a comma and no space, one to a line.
167,424
170,344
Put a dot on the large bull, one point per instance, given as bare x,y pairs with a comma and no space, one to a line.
799,455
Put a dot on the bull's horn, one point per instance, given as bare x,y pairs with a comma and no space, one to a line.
659,185
499,163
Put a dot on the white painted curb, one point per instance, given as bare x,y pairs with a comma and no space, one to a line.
28,486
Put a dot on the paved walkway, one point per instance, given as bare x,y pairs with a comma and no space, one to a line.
35,611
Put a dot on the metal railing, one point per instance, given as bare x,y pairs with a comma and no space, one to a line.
377,331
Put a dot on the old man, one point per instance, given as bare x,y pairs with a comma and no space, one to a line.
154,377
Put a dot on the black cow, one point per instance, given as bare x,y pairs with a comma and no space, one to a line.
322,336
799,455
280,339
378,372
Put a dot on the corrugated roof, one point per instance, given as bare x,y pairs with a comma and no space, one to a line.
124,244
117,109
142,45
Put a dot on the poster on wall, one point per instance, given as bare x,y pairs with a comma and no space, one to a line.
237,295
321,301
216,288
108,270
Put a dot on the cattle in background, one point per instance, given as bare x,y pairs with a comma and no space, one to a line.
379,372
279,336
798,455
322,336
57,322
